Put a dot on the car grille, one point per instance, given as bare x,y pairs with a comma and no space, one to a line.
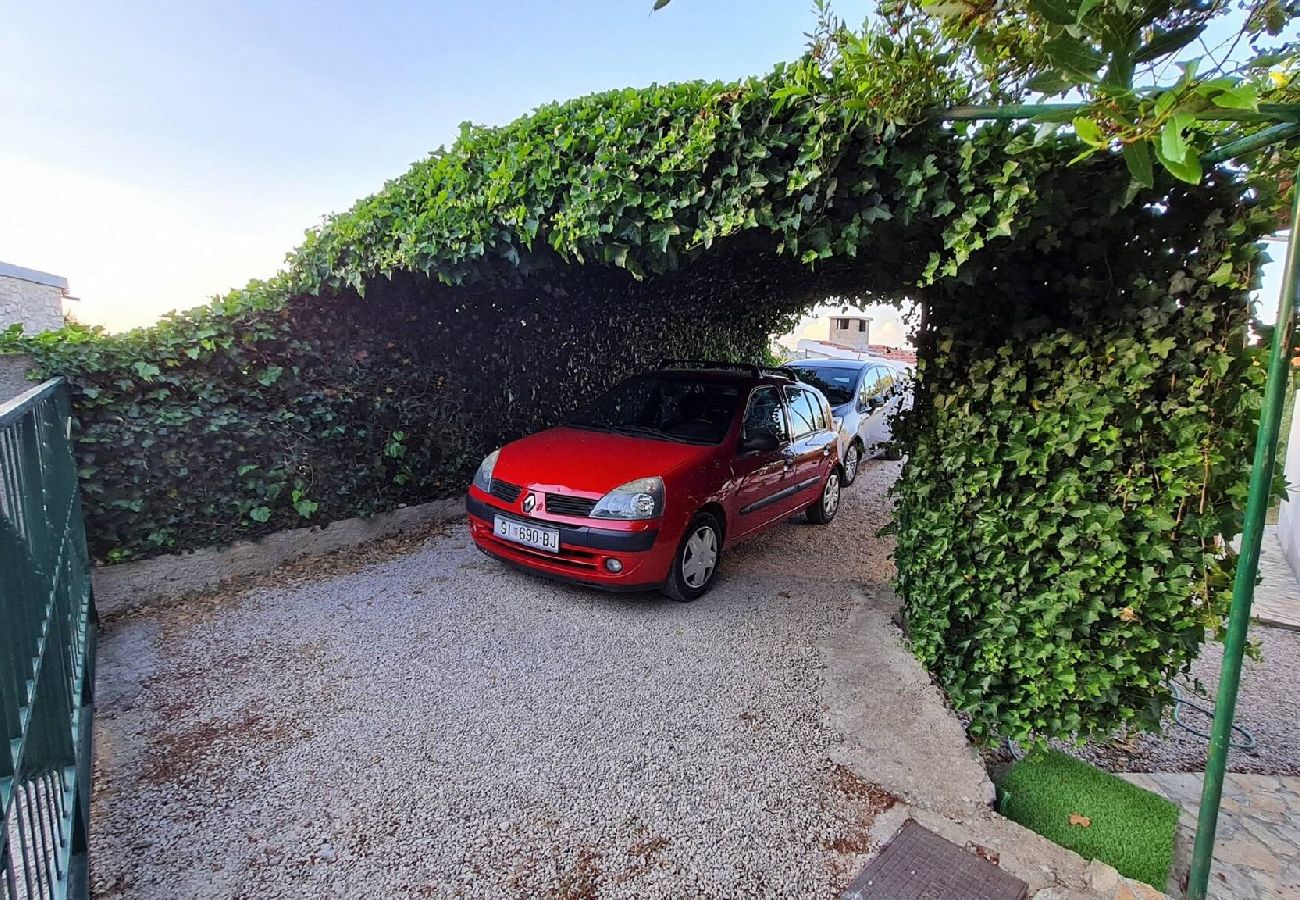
504,490
565,505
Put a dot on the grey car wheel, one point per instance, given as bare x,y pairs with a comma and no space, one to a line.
822,511
852,462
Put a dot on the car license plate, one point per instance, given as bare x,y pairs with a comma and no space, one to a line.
547,539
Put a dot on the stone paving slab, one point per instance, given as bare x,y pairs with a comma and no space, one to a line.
1257,855
1277,596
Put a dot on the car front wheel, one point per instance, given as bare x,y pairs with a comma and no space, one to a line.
696,563
822,511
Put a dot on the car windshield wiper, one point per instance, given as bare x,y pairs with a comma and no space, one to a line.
649,432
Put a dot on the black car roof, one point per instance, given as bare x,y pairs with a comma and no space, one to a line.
728,376
843,363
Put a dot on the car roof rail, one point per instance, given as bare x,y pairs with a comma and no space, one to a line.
708,364
751,368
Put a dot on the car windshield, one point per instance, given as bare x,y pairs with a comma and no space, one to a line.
659,406
837,384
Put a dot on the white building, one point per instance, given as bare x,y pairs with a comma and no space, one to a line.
32,298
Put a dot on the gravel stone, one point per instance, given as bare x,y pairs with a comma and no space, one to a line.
1268,706
437,724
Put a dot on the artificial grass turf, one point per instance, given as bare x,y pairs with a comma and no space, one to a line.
1131,828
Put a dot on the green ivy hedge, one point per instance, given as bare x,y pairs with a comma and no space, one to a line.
1078,457
1082,422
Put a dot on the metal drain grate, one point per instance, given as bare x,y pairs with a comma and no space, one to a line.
920,865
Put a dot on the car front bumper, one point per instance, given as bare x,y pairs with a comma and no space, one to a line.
584,549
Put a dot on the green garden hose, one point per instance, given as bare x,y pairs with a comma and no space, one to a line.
1248,739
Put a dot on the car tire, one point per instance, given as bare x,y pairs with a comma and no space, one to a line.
695,566
822,510
852,462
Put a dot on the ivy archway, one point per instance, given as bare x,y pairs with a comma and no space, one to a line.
1082,416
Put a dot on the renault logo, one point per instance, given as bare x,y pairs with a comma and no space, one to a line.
530,502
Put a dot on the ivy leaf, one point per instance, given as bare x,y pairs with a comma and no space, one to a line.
1222,275
946,9
259,513
1073,57
1167,42
1137,156
1089,132
1241,96
1085,7
1187,169
1172,146
1049,83
1058,12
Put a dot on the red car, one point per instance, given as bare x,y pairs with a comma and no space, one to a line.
644,488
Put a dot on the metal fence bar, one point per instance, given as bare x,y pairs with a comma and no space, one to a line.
1258,500
47,645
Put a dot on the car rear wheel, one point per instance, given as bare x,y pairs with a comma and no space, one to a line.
822,511
696,563
852,461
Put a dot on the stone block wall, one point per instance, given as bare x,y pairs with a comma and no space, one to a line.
38,306
13,375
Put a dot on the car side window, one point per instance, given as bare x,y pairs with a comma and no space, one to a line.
824,417
886,379
764,415
870,384
804,411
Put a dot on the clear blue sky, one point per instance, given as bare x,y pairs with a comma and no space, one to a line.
155,153
158,153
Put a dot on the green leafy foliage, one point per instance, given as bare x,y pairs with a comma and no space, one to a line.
1078,453
1114,57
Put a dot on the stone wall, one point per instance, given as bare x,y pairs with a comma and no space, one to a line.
13,375
38,306
127,586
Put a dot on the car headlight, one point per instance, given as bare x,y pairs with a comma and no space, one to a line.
640,499
483,477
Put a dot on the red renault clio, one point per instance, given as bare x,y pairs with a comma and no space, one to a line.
644,488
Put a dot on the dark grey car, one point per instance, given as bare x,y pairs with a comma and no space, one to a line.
863,394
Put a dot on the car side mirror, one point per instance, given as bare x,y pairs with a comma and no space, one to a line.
763,442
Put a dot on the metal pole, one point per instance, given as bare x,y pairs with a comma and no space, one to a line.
1267,112
1272,134
1243,586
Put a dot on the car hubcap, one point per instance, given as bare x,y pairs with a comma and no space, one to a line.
851,464
831,496
699,557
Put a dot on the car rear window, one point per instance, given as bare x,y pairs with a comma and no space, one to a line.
836,384
667,408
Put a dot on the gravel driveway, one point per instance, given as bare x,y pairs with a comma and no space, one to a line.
437,725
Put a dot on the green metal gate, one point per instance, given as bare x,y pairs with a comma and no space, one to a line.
47,653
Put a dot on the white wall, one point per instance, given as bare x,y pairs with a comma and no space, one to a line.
1288,522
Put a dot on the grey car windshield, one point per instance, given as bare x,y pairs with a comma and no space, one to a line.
838,384
658,406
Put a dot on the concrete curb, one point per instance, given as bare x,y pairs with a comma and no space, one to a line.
128,586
